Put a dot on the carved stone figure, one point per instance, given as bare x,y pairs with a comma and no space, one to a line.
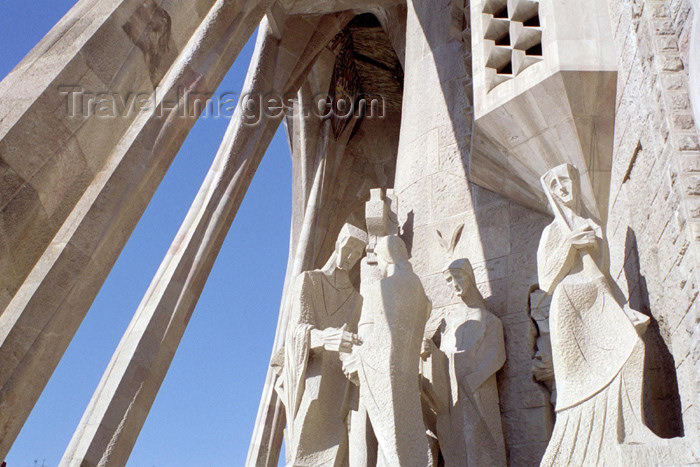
471,337
597,353
150,29
386,429
325,304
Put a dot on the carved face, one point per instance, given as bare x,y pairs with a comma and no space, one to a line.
348,251
562,187
456,280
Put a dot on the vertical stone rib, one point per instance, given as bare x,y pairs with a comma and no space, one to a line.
120,405
40,321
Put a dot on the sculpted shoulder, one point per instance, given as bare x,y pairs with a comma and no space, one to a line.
403,283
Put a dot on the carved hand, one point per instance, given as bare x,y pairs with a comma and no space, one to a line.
351,365
583,238
340,340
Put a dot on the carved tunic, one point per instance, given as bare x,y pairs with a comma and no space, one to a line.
314,382
392,325
591,335
470,432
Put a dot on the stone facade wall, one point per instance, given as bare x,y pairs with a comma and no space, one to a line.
654,214
654,203
653,206
500,238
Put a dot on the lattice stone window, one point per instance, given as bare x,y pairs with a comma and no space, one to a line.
544,86
512,37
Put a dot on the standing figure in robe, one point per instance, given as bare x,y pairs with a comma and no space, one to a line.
471,338
325,304
597,353
388,418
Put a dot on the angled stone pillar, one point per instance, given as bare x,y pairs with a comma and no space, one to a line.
53,143
44,314
120,405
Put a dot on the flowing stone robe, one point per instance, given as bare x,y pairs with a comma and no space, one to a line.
394,314
597,354
470,431
314,383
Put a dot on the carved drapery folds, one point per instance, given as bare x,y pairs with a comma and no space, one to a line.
537,95
597,352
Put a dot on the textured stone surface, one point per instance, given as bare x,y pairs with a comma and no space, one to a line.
325,305
385,365
593,379
149,344
652,244
71,189
56,148
544,87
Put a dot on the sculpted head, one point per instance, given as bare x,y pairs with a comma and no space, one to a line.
391,252
460,276
349,247
562,185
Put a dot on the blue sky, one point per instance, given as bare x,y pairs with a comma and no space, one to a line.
205,411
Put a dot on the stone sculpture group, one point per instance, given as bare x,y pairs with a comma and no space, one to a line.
365,383
457,108
349,376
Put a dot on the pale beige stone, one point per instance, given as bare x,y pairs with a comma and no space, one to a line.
47,309
471,351
324,306
558,107
694,72
385,365
607,92
109,429
597,352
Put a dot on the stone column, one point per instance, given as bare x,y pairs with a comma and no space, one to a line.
431,181
44,314
316,155
118,409
53,142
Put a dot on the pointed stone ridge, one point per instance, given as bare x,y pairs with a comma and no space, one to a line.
544,94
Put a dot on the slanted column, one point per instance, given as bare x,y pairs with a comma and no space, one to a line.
44,314
317,158
53,141
119,407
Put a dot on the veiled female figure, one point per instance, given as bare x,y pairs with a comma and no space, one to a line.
597,353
